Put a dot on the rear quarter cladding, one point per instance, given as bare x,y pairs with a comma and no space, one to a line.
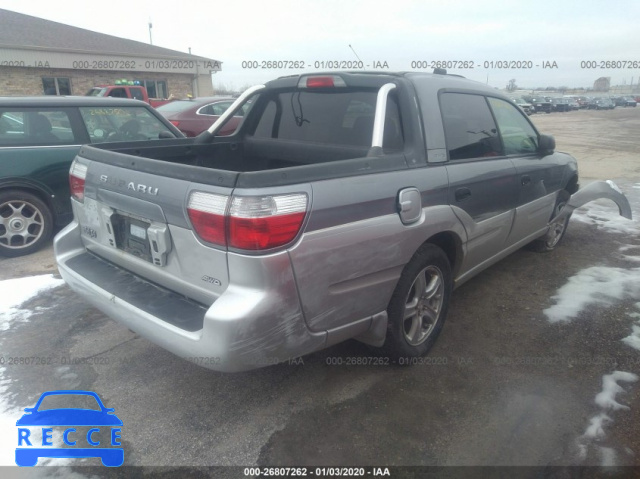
355,228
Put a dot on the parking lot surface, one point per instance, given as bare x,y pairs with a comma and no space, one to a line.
537,365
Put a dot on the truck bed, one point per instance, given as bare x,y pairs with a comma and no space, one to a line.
247,163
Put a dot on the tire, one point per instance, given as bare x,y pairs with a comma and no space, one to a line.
26,223
552,238
412,335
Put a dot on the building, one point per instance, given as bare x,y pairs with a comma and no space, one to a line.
41,57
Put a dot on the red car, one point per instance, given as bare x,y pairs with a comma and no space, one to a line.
192,117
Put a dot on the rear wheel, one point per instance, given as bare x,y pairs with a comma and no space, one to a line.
419,304
26,223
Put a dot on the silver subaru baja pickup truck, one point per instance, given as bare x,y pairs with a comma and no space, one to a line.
344,205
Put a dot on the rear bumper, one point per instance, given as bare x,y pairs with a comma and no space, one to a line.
256,322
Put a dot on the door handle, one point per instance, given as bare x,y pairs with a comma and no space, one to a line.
462,194
525,180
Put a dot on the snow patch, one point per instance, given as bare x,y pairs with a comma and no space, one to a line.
607,456
595,429
630,258
633,339
14,292
606,217
8,417
595,285
606,399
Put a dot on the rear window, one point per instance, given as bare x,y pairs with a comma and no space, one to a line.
340,118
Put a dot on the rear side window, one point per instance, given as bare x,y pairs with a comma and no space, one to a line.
518,136
35,127
469,128
339,118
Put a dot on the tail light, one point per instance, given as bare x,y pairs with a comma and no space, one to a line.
207,214
175,123
77,176
251,223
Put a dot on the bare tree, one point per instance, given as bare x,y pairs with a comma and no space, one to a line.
512,85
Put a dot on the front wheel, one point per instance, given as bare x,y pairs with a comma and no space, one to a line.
26,223
557,230
419,304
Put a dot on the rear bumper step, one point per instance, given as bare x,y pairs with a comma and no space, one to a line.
150,298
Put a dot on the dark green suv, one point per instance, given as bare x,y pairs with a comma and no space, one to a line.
39,138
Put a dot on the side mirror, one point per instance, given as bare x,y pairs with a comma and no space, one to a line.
546,144
165,135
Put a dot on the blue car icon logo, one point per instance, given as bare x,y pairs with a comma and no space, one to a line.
94,421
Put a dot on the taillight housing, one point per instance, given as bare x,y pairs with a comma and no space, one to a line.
251,223
207,214
77,176
174,122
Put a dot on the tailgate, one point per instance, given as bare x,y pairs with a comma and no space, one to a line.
138,220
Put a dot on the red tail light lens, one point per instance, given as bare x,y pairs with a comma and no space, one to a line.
259,223
77,176
252,223
263,233
207,214
174,122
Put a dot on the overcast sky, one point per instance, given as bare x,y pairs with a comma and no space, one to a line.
397,32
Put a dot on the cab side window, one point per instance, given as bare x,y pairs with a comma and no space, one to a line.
469,128
118,93
136,94
518,136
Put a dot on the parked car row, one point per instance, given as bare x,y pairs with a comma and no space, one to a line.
605,103
546,104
